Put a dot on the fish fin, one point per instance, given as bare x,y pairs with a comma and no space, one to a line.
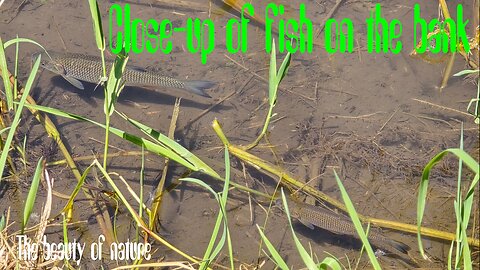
199,87
78,84
306,223
399,246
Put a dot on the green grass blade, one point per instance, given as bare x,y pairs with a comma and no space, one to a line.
307,259
466,72
175,147
272,76
65,240
2,223
159,149
76,190
15,72
18,113
282,71
97,24
32,194
212,251
276,257
120,195
22,40
114,83
224,198
331,263
423,188
208,254
6,78
450,255
356,222
5,129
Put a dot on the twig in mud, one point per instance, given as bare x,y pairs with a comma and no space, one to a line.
14,11
340,91
359,51
314,99
425,124
372,195
157,201
442,107
218,103
271,122
59,34
251,71
388,120
182,4
111,146
355,117
329,15
435,119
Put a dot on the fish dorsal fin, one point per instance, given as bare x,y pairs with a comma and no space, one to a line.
306,223
78,84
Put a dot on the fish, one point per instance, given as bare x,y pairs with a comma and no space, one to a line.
76,67
312,216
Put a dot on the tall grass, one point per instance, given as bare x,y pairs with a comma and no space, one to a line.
114,84
460,252
463,203
274,79
16,120
212,251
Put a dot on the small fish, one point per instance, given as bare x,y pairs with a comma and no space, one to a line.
311,216
75,67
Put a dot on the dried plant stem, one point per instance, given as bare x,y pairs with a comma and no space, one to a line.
99,209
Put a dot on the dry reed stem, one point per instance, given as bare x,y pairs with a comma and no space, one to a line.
103,218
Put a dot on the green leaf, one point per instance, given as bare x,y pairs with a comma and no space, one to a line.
18,113
356,222
282,71
168,150
272,76
174,147
6,78
115,82
276,257
466,72
423,188
32,194
331,263
307,259
97,24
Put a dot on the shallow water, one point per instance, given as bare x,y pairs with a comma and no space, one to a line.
358,113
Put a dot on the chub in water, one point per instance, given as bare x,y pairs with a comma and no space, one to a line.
75,67
311,216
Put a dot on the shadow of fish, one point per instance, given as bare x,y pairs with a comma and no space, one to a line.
75,67
312,216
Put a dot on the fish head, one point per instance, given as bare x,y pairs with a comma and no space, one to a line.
48,62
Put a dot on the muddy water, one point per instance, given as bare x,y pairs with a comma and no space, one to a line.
354,112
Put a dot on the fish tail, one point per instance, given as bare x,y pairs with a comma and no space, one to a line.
199,87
